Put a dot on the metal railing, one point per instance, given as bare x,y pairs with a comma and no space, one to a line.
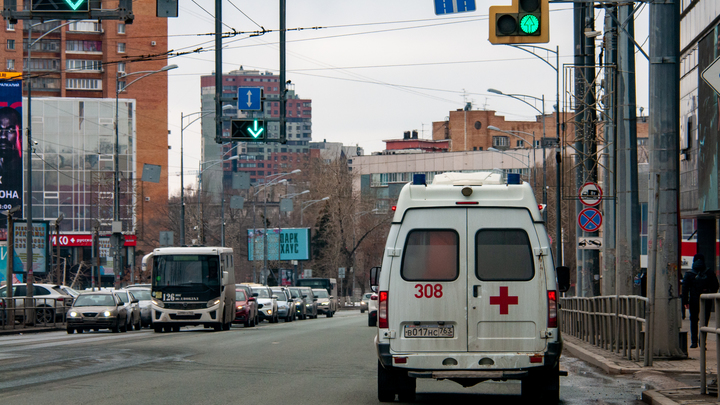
615,323
704,330
22,312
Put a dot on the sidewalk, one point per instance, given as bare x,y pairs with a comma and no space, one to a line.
669,381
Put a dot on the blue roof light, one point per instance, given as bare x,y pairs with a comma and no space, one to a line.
513,178
419,179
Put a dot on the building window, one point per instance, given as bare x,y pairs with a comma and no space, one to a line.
9,26
83,46
10,64
121,85
83,64
519,143
85,26
501,141
11,44
121,28
121,67
121,47
83,84
39,64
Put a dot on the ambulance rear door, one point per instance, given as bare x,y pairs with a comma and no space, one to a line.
427,294
507,297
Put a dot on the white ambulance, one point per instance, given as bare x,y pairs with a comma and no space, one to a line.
467,288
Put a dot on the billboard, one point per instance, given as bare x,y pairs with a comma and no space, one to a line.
39,239
17,278
708,127
282,244
11,167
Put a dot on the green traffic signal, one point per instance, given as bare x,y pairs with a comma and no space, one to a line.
529,24
248,130
61,5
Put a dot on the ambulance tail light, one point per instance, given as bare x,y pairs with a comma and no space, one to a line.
383,310
542,208
552,309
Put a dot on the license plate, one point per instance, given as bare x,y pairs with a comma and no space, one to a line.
429,331
186,313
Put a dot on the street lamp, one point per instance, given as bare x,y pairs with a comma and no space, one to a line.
265,242
520,97
201,227
307,204
513,157
182,174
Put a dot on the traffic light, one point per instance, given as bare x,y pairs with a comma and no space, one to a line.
61,5
248,130
524,22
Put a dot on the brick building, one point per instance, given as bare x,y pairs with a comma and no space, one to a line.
81,60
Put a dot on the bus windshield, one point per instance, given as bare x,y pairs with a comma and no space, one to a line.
317,283
186,270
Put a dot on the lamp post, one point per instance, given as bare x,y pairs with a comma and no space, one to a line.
117,224
519,97
201,226
182,173
511,156
265,242
254,197
305,205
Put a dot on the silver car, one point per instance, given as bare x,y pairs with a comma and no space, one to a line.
130,303
143,294
286,305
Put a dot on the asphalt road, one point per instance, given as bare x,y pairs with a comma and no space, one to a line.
320,361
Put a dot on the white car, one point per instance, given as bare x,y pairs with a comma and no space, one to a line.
267,305
51,303
130,303
143,294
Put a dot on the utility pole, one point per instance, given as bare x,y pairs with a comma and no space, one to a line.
628,205
664,128
610,45
283,85
218,72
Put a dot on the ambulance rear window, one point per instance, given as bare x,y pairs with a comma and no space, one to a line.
430,254
503,254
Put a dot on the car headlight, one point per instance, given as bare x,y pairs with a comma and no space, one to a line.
73,314
214,302
269,311
158,303
239,307
107,314
325,303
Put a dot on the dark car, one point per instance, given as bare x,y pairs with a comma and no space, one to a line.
97,310
245,308
300,311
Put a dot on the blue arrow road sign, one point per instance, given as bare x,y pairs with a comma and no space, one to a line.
590,219
250,98
453,6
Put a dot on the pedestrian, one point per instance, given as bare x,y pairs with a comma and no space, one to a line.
698,280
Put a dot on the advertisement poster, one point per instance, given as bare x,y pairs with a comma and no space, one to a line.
17,278
288,243
39,240
708,127
11,167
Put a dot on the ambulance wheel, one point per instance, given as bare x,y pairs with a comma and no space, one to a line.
386,384
372,320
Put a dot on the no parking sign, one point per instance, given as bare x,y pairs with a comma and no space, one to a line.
590,219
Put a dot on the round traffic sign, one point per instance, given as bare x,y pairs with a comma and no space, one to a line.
590,194
590,219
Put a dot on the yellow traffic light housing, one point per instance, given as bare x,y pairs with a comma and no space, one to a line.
523,22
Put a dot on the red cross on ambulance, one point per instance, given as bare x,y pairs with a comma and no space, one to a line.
504,300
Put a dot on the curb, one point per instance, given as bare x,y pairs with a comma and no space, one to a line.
653,397
589,357
20,331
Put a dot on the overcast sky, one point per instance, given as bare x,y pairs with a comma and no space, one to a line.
372,69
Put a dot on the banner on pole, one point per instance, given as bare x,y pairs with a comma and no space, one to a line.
11,165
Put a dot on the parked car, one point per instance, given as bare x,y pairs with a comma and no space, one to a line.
139,285
245,308
286,305
364,302
299,302
97,310
70,291
326,302
311,305
144,296
372,309
51,303
253,305
132,307
267,305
